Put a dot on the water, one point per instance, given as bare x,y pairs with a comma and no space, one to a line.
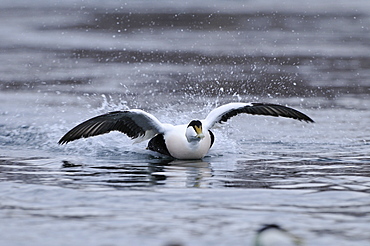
62,63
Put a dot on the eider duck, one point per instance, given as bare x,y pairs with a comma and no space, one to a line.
189,141
274,235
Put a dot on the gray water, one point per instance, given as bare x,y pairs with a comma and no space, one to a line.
61,63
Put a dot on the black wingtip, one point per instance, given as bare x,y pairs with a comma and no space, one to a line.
311,121
308,120
66,139
63,141
305,118
278,110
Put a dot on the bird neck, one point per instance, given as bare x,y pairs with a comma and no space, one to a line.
191,136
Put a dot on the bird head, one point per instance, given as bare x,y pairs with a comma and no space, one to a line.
194,131
272,234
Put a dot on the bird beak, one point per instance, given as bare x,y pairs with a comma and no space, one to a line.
199,131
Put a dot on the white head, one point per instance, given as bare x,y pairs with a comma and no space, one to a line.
194,131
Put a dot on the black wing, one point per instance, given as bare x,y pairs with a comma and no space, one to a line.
225,112
134,123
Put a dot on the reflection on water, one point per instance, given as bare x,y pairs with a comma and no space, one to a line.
164,172
319,175
318,200
116,174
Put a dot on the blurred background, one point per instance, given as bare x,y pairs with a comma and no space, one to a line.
166,49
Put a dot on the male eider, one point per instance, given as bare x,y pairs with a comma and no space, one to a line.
274,235
189,141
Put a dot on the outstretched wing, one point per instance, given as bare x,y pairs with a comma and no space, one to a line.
225,112
136,124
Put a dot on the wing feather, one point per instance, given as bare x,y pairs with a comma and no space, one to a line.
225,112
134,123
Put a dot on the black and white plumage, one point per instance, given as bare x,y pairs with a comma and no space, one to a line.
274,235
189,141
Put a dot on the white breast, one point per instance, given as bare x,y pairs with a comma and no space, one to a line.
180,148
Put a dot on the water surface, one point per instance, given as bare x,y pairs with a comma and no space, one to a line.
62,63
